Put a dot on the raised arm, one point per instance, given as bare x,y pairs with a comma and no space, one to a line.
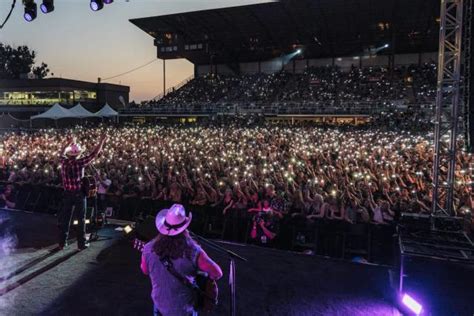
66,145
96,150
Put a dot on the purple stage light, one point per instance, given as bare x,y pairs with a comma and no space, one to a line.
96,5
108,1
47,6
413,305
28,17
30,11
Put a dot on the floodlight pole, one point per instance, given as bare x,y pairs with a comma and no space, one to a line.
448,114
164,77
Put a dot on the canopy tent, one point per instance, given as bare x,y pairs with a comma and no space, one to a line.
55,112
106,111
79,111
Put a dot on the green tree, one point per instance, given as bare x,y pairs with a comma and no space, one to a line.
20,60
41,71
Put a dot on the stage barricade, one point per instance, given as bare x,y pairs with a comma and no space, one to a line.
357,241
320,236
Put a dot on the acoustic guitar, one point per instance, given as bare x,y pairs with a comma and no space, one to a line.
205,289
89,186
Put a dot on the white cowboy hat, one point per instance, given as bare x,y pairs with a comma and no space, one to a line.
173,221
74,150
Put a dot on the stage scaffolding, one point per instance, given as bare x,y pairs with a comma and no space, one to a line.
448,115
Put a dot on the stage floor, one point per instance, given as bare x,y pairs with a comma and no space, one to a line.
106,279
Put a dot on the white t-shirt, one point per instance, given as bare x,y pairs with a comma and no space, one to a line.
378,217
103,186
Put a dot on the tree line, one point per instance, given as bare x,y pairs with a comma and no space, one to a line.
18,61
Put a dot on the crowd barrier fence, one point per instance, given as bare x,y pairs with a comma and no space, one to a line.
325,237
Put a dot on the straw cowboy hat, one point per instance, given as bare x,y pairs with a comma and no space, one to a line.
74,150
173,221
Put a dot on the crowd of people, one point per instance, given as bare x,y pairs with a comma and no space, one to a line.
329,85
265,171
259,174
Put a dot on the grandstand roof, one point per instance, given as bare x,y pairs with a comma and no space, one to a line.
325,28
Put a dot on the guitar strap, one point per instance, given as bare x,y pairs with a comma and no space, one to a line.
169,266
193,286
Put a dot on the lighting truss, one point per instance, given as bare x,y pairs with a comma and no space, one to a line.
448,115
468,89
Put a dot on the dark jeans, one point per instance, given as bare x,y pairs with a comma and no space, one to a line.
101,202
73,208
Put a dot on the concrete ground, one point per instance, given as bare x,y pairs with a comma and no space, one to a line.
106,279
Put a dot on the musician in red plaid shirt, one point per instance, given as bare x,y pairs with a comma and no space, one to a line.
72,171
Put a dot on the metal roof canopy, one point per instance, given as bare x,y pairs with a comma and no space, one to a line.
57,83
325,28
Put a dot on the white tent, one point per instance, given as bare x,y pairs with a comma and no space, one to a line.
106,111
55,112
79,111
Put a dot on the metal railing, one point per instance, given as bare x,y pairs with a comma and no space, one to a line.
173,88
296,235
278,108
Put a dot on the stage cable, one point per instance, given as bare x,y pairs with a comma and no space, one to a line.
9,14
131,70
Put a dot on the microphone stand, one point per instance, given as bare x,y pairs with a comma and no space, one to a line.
94,236
232,256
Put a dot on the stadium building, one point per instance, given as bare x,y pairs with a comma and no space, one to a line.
254,38
293,36
24,97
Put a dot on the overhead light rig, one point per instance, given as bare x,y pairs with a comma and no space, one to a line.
47,6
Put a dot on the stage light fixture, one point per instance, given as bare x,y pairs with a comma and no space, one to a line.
128,229
97,5
299,51
108,1
30,10
386,45
412,304
47,6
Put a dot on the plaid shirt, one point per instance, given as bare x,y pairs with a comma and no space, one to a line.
277,203
72,171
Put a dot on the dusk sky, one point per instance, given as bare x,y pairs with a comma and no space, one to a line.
78,43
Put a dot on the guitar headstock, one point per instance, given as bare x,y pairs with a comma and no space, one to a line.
138,244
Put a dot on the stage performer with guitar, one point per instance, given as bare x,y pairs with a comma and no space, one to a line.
175,262
72,173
